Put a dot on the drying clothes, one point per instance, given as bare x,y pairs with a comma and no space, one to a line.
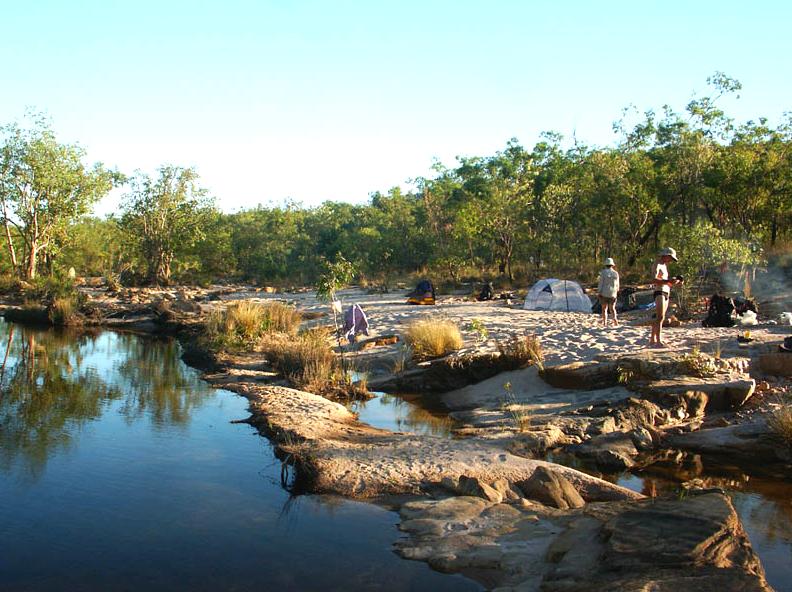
355,322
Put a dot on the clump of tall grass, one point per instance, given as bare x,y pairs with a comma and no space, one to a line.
63,311
309,363
242,325
780,422
281,318
521,351
307,360
430,338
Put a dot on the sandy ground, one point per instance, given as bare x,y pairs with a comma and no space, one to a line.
566,337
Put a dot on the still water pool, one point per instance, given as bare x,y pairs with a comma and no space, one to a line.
121,470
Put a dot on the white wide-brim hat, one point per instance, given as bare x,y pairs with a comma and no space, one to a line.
669,252
609,262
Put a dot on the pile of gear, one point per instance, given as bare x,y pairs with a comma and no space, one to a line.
727,312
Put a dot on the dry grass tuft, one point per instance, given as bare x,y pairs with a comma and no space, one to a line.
432,338
307,361
281,318
781,423
243,324
521,351
63,311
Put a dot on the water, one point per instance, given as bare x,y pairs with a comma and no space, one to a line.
403,413
763,504
121,470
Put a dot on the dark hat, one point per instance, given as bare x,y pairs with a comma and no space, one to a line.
787,345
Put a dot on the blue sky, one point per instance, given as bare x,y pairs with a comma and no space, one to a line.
313,100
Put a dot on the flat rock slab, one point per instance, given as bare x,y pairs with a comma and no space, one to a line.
695,543
751,442
721,395
340,455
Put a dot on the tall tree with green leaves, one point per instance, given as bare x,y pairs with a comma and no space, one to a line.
44,187
164,216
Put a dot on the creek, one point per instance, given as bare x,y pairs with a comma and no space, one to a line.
121,470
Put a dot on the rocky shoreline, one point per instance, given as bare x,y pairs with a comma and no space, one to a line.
485,503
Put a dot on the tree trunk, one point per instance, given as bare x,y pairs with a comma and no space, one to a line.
30,272
9,239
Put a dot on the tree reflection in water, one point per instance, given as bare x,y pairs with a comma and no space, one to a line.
53,382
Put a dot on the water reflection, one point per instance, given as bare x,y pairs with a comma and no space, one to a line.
52,385
403,413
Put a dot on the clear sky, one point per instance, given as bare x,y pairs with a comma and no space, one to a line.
318,100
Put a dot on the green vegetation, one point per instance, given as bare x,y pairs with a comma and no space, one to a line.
512,408
431,338
716,189
478,327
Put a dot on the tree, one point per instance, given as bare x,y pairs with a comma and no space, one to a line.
165,216
44,187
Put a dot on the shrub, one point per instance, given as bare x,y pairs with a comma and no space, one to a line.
780,422
521,351
697,363
432,338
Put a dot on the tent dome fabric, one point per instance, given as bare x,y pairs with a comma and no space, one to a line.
555,294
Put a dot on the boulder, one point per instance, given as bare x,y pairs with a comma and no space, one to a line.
612,452
551,489
474,487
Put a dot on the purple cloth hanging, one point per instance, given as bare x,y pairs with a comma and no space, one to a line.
355,322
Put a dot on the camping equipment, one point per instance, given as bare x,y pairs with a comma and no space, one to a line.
487,292
355,322
748,319
719,313
424,293
557,295
743,304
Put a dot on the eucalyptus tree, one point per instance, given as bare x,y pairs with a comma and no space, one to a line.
165,216
500,193
44,187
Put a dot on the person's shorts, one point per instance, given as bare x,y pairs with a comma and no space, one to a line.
605,300
660,293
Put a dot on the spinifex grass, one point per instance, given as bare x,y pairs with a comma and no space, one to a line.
430,338
309,363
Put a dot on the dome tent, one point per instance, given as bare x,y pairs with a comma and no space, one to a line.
555,294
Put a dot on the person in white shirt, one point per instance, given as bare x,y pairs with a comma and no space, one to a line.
608,290
662,283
